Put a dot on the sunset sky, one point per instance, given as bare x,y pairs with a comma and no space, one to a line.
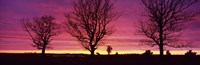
125,38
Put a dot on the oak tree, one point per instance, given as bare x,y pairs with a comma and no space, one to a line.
89,22
166,20
41,31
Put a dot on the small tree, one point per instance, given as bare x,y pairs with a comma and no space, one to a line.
89,22
166,21
109,50
41,31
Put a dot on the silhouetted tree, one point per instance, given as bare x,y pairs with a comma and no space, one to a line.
168,53
109,50
89,22
41,31
166,20
116,53
190,53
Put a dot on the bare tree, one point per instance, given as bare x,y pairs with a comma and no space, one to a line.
166,20
89,22
41,31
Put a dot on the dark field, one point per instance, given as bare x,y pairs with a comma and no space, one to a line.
81,59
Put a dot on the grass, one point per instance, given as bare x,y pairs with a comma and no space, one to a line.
83,59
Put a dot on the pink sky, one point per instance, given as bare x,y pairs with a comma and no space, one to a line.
13,37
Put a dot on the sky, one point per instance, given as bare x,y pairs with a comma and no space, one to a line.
125,38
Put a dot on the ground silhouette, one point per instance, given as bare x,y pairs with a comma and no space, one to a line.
83,59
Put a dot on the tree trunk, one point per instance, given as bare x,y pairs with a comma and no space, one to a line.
161,38
43,50
92,52
161,43
161,49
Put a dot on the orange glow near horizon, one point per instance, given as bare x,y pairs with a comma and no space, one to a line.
173,52
125,40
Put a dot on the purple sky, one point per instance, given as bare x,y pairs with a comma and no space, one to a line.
13,37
